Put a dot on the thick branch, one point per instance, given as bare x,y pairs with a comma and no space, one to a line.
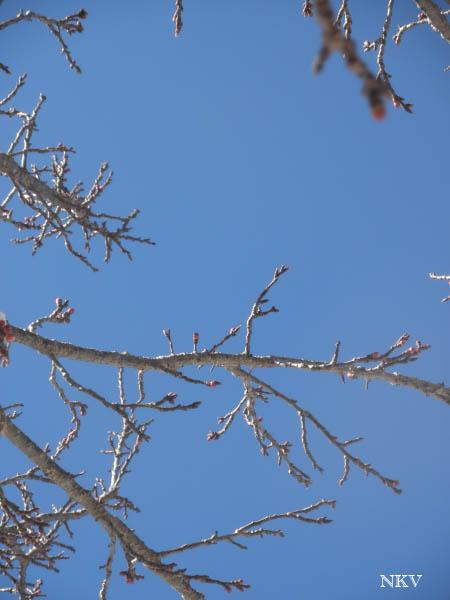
112,525
23,179
54,348
438,20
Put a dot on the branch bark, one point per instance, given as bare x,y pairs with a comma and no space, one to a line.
113,526
229,362
23,179
438,20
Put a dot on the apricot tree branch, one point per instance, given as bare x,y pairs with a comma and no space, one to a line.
441,278
54,210
307,415
258,311
356,368
368,367
249,530
113,526
70,24
421,20
47,207
437,18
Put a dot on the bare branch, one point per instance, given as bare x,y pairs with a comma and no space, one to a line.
232,332
55,210
108,570
441,278
166,334
264,438
357,367
70,24
257,311
421,20
176,18
341,446
382,73
61,314
253,528
113,526
436,17
344,13
228,419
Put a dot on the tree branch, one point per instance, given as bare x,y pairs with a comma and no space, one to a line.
113,526
174,362
333,40
437,19
55,210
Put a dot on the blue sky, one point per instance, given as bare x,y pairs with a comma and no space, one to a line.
241,160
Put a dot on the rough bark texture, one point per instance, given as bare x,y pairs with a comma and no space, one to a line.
54,348
113,526
438,21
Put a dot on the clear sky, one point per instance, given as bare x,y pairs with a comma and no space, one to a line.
241,160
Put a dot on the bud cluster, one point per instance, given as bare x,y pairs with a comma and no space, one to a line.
62,312
6,338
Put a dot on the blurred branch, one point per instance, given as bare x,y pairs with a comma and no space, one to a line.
177,17
333,40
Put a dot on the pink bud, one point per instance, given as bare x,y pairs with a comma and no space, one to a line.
212,383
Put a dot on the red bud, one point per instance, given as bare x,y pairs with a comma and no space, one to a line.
378,112
213,383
